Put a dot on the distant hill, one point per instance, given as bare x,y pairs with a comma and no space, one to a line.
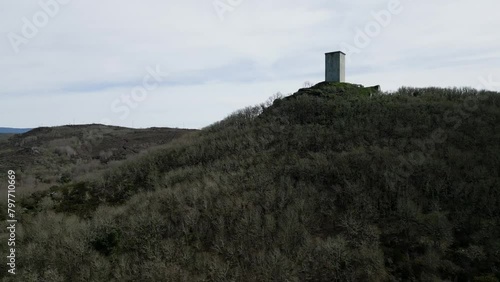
336,182
46,156
9,130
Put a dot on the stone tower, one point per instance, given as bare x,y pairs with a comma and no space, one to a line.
335,67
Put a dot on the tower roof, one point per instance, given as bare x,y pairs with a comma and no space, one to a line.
334,52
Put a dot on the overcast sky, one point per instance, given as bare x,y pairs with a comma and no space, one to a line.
190,63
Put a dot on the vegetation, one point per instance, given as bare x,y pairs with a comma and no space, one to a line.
49,156
4,137
335,183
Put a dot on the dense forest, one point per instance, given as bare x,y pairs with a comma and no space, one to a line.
336,182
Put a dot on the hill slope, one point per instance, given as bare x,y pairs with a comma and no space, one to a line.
335,183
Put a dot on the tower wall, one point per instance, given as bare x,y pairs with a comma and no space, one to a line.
335,67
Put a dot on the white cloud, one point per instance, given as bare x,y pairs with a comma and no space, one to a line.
92,51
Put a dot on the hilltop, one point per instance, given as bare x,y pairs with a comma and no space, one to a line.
337,182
